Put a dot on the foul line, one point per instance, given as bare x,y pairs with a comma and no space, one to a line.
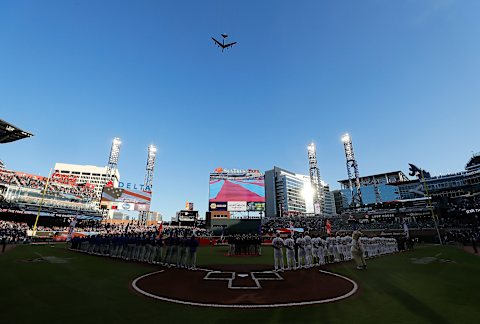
183,302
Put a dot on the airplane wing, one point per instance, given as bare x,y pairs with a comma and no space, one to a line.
218,43
230,44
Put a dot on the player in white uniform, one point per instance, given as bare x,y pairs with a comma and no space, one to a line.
301,251
315,244
358,251
308,251
290,249
278,244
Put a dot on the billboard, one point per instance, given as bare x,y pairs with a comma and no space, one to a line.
236,188
125,199
187,216
188,206
218,206
237,206
256,206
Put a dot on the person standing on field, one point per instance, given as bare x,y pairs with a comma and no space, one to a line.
192,253
358,251
278,244
301,251
290,249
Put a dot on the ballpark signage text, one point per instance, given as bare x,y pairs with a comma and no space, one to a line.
134,186
237,206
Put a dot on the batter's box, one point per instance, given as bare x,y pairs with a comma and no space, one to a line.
266,275
249,280
218,275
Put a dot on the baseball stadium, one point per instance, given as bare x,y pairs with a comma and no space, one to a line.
254,205
70,261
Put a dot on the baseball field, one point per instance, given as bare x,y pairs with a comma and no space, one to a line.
50,284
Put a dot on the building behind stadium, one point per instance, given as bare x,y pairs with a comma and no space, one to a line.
290,194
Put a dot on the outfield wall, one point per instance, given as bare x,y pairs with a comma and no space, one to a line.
235,226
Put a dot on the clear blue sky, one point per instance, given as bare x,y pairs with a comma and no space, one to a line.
403,77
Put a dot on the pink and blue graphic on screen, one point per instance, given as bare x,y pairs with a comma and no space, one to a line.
250,190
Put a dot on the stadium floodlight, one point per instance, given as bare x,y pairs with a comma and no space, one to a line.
152,148
115,151
346,138
311,147
315,180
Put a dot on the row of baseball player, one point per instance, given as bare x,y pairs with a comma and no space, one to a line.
173,250
307,251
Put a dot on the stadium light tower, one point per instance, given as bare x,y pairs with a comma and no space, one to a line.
148,182
352,170
113,158
318,201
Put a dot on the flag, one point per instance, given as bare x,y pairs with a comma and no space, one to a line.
405,230
126,195
291,227
329,227
160,230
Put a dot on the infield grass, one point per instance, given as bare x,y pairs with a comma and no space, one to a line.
442,287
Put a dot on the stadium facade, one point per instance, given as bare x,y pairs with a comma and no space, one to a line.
93,175
376,188
463,183
288,193
23,193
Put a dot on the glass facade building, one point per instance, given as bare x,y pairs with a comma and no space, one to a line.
288,193
375,188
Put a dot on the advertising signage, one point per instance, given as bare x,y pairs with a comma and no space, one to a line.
255,206
124,199
239,206
217,206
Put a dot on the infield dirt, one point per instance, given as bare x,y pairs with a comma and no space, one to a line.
300,286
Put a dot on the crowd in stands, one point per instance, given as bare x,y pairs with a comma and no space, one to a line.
101,228
11,232
173,250
316,224
464,236
83,192
463,205
270,226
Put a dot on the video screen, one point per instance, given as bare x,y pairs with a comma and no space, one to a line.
249,190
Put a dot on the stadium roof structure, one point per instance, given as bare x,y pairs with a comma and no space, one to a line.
10,133
473,163
399,176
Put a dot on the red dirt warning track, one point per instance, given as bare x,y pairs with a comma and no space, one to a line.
241,286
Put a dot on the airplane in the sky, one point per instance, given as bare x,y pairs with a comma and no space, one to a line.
222,44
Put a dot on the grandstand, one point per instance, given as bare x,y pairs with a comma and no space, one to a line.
24,193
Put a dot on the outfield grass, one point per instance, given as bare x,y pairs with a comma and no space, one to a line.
90,289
